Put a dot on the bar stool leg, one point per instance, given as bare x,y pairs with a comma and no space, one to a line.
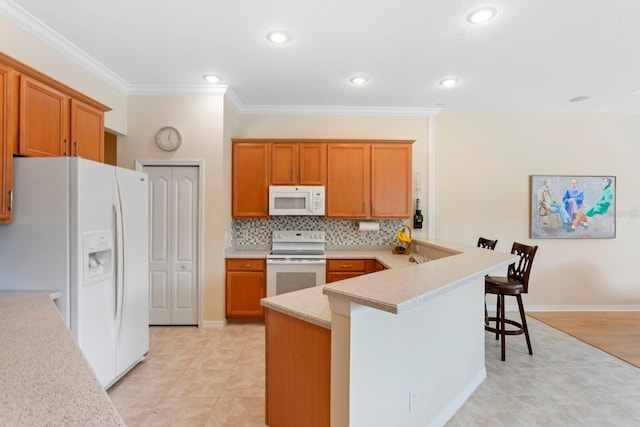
524,323
503,324
497,317
486,313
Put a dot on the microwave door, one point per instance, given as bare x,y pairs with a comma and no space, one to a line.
291,203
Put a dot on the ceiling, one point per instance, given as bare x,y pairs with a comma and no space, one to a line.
533,56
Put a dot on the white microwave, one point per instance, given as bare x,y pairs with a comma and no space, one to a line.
296,200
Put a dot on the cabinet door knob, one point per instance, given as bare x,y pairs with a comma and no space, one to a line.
346,266
65,147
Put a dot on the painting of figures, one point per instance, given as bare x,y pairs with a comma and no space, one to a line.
573,207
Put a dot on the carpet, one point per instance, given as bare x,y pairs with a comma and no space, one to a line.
614,332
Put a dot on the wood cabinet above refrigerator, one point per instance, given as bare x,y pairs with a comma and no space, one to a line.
6,142
41,117
53,123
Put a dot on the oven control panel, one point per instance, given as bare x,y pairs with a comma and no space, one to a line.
305,236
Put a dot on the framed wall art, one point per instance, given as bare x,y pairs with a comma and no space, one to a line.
573,207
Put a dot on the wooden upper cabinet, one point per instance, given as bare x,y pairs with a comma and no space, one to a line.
298,163
369,180
284,164
391,180
312,161
87,131
362,178
44,126
6,143
347,192
50,119
250,181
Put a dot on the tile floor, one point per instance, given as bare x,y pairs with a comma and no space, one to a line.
215,377
196,377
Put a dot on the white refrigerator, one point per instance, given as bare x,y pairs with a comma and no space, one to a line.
81,228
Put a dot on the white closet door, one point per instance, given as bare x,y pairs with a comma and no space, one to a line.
173,289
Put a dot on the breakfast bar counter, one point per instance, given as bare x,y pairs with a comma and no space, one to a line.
45,378
406,285
402,346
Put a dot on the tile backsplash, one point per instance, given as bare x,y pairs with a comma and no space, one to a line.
339,232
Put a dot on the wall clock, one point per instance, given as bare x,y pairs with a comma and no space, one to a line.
168,138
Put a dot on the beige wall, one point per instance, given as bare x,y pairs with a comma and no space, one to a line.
483,164
231,126
26,48
200,120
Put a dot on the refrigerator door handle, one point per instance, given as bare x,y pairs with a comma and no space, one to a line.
119,244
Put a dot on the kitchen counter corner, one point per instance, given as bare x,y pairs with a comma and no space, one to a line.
45,378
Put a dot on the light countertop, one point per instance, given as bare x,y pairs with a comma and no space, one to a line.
403,286
45,378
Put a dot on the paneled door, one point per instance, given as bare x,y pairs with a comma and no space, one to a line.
173,258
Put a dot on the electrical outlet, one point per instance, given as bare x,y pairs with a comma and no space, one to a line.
417,248
413,396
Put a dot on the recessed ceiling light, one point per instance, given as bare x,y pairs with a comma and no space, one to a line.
278,37
212,78
482,15
448,82
358,80
579,99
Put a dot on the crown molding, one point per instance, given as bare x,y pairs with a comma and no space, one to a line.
233,100
176,90
39,29
319,110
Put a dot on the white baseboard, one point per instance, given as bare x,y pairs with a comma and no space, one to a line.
450,410
213,324
569,308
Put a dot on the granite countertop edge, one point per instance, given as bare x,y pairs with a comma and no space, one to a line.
46,378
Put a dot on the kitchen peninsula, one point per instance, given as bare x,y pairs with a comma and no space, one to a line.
403,346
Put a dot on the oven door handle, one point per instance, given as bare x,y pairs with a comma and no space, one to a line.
290,262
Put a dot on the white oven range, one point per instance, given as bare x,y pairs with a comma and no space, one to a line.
297,261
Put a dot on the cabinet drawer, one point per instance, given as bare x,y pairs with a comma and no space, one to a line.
346,265
246,264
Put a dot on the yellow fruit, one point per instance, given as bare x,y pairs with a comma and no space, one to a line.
402,236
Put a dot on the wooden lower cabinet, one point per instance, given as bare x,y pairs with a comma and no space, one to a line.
340,269
298,372
245,286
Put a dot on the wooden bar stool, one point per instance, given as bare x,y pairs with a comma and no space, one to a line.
515,284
